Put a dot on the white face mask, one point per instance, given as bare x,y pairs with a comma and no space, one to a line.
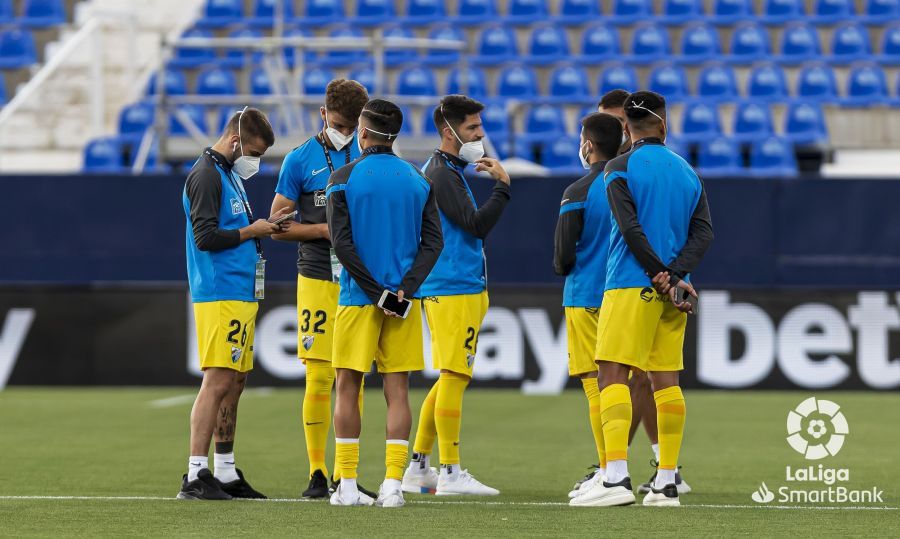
338,139
468,151
584,160
244,166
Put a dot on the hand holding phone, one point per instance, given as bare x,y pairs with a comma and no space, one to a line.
395,304
284,218
686,299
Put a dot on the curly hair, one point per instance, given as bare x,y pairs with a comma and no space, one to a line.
346,97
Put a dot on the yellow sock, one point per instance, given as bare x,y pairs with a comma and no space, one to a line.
670,416
426,431
615,411
448,415
347,456
395,456
592,392
317,412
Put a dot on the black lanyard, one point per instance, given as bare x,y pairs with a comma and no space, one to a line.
328,153
241,195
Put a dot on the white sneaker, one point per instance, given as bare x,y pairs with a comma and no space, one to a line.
349,497
586,484
664,497
418,480
604,494
388,497
462,484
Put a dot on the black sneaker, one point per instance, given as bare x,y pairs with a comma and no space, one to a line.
666,496
359,487
205,487
318,486
680,484
240,488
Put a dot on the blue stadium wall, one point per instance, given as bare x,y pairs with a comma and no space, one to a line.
800,289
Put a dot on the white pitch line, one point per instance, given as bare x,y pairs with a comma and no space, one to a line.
464,502
178,400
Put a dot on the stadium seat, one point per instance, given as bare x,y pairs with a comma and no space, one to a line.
406,128
526,11
728,12
196,113
670,81
615,76
850,43
260,83
700,120
599,43
342,58
568,83
6,11
17,48
890,45
416,81
517,81
682,11
767,81
309,55
322,12
752,121
315,81
440,57
43,13
678,146
773,156
476,82
221,13
175,83
3,97
193,57
881,11
699,43
428,127
799,43
833,11
804,123
475,12
548,44
237,58
496,45
543,121
134,120
719,156
650,43
749,43
717,82
781,11
373,12
576,12
630,11
396,56
216,81
495,119
419,12
816,81
561,155
104,155
264,12
866,86
365,75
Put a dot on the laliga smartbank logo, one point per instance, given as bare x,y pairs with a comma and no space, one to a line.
817,429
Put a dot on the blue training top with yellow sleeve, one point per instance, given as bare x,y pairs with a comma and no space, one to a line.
661,218
384,226
581,245
220,267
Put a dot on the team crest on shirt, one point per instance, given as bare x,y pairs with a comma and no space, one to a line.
308,342
320,198
470,360
236,354
236,207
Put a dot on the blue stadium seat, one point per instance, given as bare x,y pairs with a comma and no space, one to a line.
700,120
678,146
799,43
342,58
728,12
881,11
752,121
630,11
576,12
816,81
670,81
866,86
699,43
221,13
17,48
260,84
650,43
832,11
542,121
321,12
890,45
717,82
428,127
548,44
104,155
309,56
782,11
526,11
496,45
374,12
216,81
264,12
43,13
850,43
134,120
599,43
682,11
419,12
517,81
196,113
193,57
439,57
767,81
561,155
719,156
364,75
568,83
615,76
749,44
3,97
237,58
406,128
773,156
315,81
475,12
495,119
394,56
175,83
476,82
416,81
6,11
804,123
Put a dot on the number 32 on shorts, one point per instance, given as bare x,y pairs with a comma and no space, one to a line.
317,321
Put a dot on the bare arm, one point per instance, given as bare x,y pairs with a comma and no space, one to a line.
297,231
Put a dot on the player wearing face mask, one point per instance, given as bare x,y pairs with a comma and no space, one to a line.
301,185
455,294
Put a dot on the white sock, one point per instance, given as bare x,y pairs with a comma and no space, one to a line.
195,464
663,478
449,471
616,470
225,471
602,472
391,485
655,448
349,484
420,462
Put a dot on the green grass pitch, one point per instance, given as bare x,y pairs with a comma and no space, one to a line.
109,444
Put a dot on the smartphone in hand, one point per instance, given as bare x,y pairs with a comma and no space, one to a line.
284,218
391,302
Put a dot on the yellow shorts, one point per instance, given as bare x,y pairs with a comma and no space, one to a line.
641,328
316,306
454,323
364,333
225,334
581,333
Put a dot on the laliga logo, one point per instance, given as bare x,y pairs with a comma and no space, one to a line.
809,424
